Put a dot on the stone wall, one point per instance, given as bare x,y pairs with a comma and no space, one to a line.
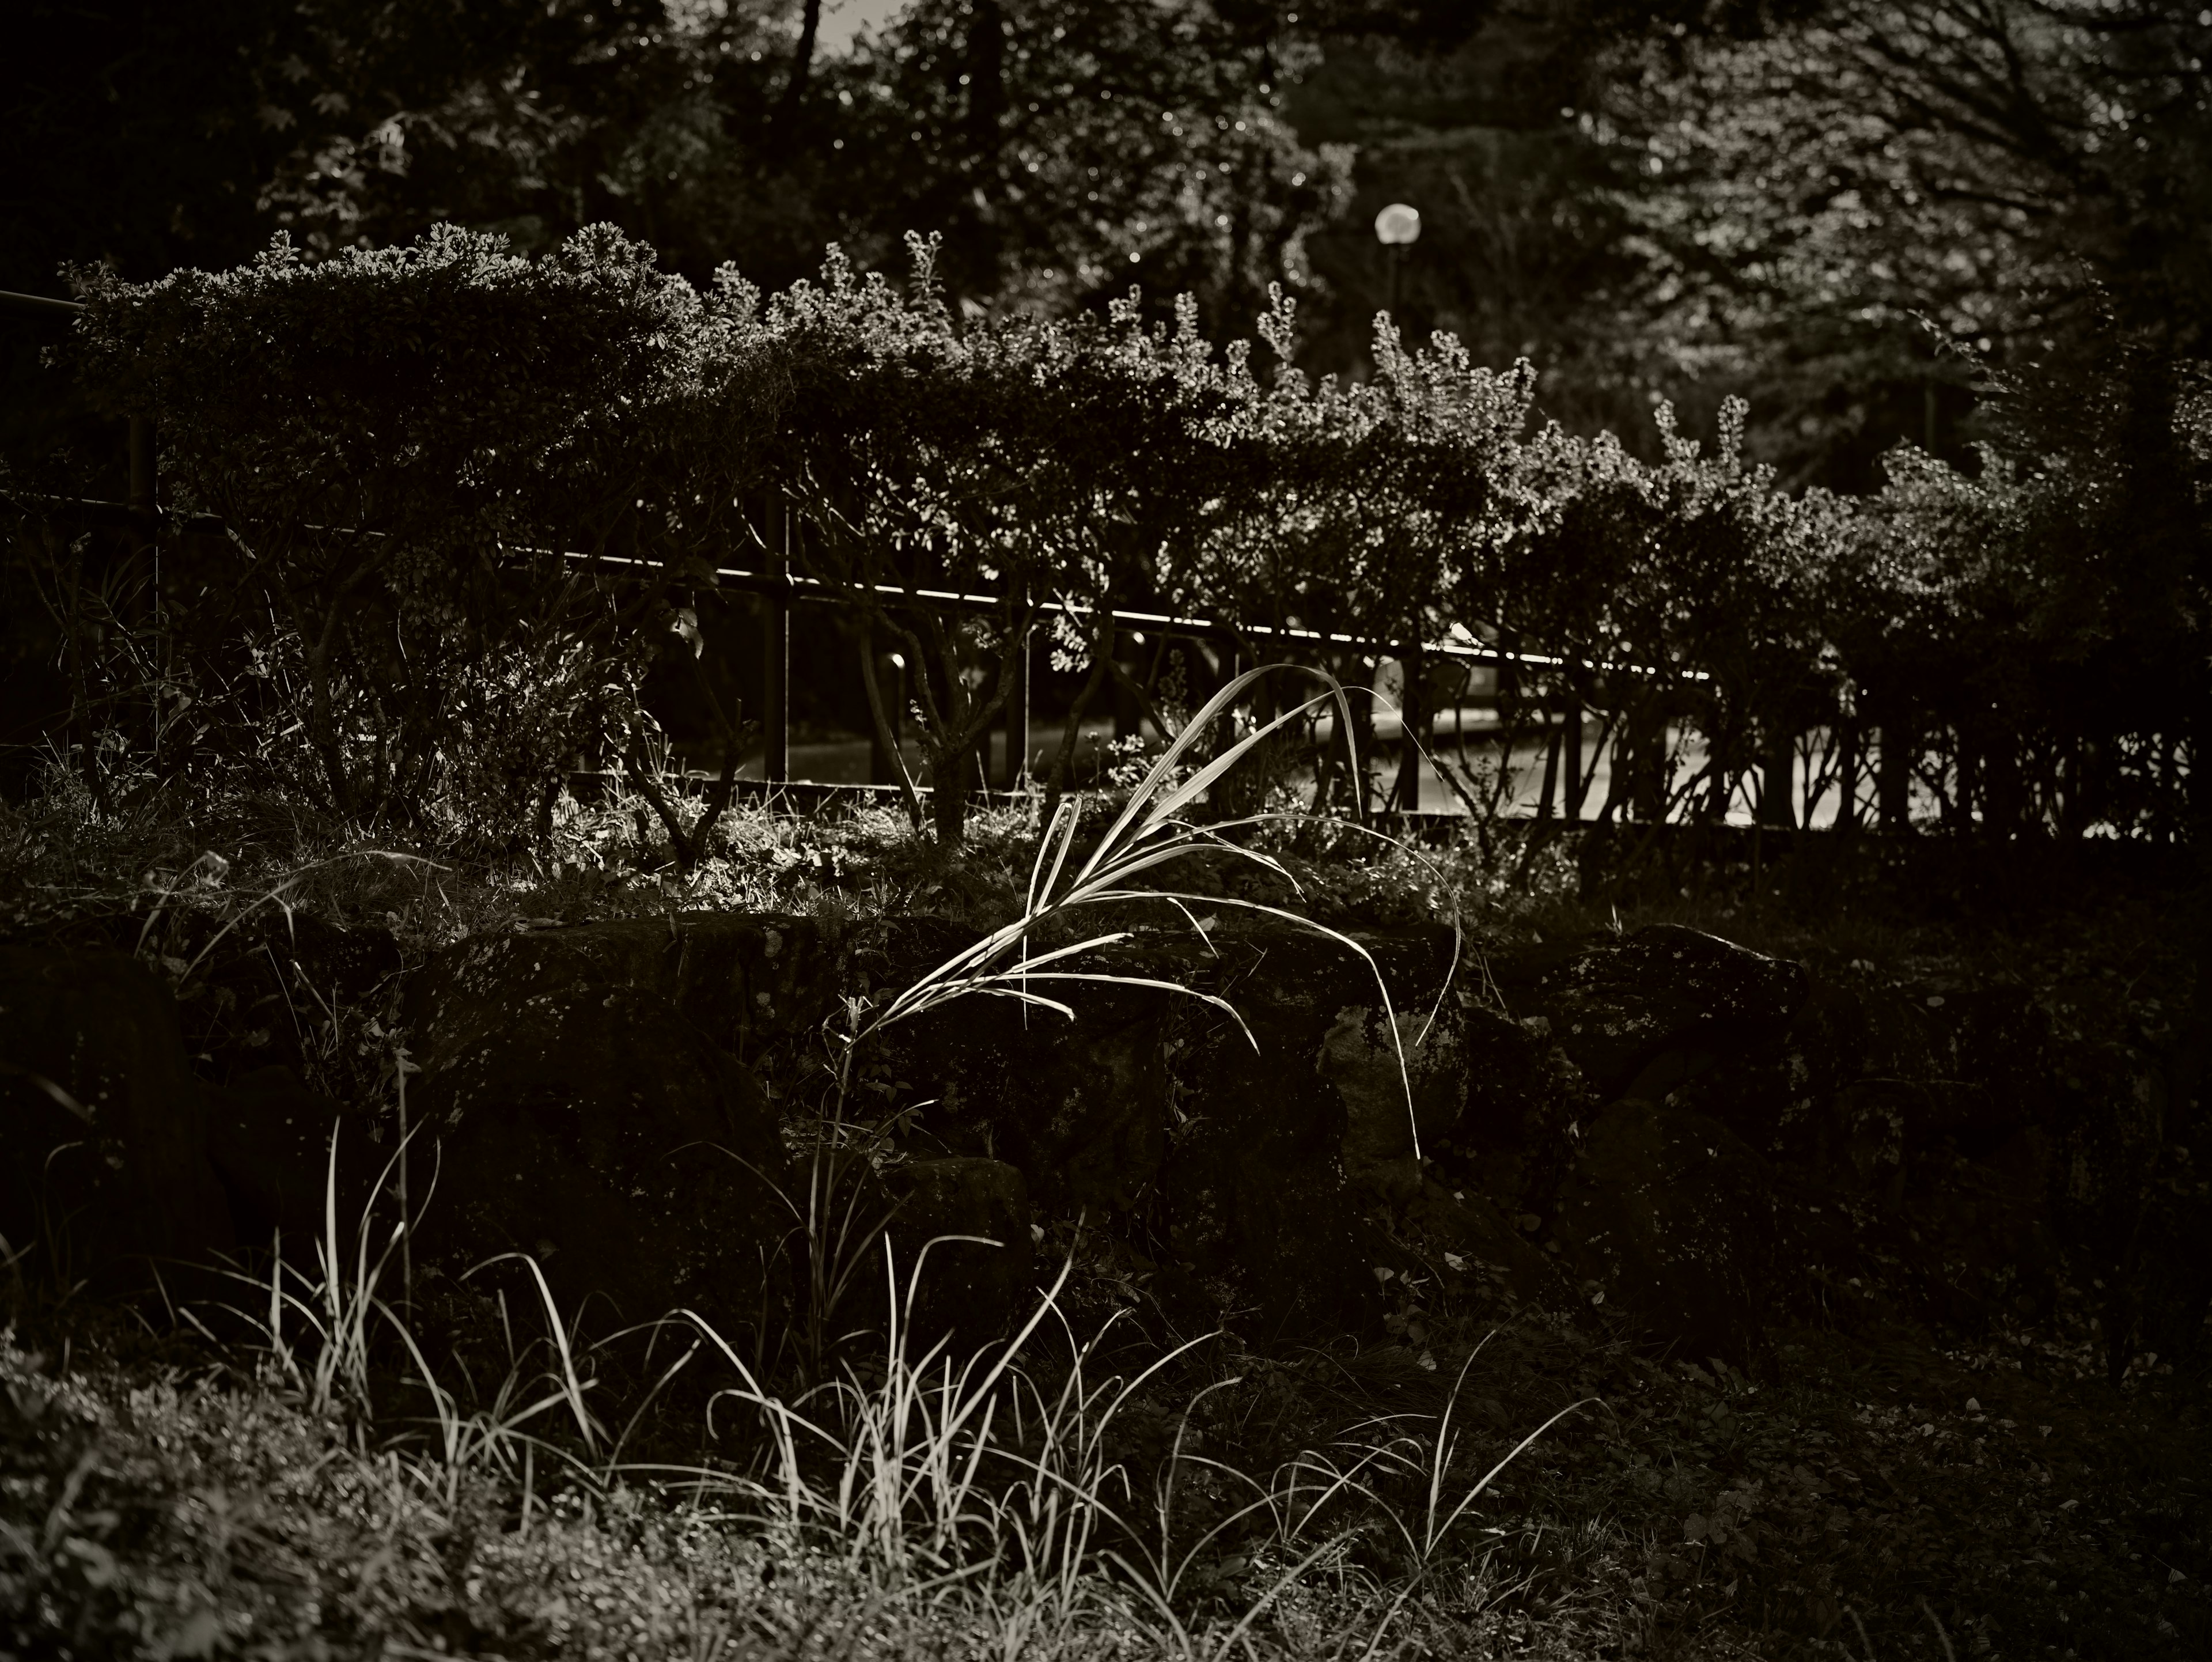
1697,1139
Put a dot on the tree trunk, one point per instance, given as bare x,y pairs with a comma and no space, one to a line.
780,126
886,735
948,792
1776,776
1056,783
1893,783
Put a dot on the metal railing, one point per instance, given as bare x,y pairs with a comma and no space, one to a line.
780,588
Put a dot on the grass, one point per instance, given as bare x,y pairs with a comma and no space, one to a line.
972,1499
1554,1492
1882,1491
1878,1495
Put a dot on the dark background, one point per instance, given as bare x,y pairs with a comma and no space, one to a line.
1813,205
1859,217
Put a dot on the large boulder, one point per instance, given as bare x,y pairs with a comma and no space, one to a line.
104,1170
1403,1076
1080,1105
745,980
1524,1101
1865,1072
961,1242
277,989
1645,1012
1257,1151
1471,1238
591,1126
1781,1096
269,1138
1673,1218
1220,1144
1255,1192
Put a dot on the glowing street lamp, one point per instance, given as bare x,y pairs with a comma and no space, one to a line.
1397,228
1398,224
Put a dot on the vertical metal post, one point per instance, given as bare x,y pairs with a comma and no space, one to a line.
775,648
141,469
883,766
1548,797
1570,758
1639,762
145,502
1777,774
1413,693
1128,715
1895,776
1017,714
1359,743
1847,769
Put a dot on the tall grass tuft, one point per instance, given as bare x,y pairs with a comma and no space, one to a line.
972,1482
1152,831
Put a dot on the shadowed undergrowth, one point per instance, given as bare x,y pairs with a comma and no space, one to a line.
300,1478
325,1489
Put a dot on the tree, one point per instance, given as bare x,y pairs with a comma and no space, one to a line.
400,443
1069,148
1847,217
1520,238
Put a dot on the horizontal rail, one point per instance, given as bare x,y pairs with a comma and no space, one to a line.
821,591
37,306
789,587
825,592
122,516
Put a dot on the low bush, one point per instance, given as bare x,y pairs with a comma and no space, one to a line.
399,444
330,1489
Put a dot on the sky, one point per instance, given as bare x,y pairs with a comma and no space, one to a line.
843,19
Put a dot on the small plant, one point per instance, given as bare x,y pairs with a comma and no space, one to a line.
1151,831
340,1310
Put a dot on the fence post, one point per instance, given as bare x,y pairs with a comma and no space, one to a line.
1777,771
1645,729
1570,757
1547,799
1018,709
890,683
145,501
775,647
1128,714
1893,781
1847,769
1413,698
143,494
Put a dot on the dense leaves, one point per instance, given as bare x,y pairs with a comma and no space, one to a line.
1842,212
1848,216
400,442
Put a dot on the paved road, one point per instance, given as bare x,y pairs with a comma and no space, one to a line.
845,761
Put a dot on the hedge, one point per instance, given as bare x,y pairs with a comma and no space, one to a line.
398,440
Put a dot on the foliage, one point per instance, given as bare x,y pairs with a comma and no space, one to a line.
1651,199
399,445
1842,214
402,444
161,1503
2041,616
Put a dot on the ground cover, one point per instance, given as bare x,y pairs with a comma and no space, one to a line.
1898,1479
